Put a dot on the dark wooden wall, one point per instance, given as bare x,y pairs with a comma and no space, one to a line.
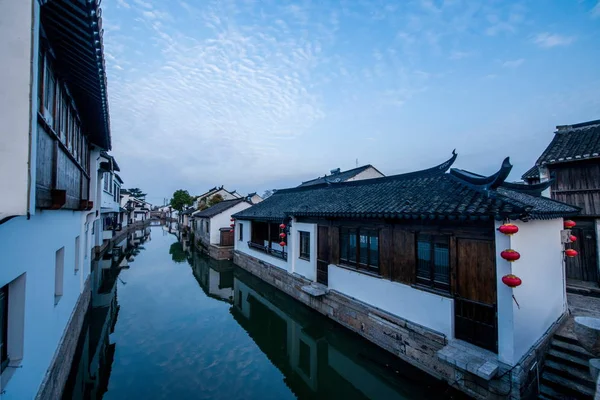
472,251
578,183
56,168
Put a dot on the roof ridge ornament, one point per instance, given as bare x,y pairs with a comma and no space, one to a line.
484,182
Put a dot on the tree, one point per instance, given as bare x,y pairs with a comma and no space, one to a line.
217,198
137,193
268,193
181,198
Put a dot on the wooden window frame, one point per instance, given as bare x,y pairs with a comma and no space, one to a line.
430,283
304,240
345,260
272,233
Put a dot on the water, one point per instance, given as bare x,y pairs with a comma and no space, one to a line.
168,324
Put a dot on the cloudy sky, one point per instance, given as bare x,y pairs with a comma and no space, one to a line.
265,94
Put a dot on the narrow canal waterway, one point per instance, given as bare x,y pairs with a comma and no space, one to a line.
166,323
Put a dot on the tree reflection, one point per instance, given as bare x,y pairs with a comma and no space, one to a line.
177,253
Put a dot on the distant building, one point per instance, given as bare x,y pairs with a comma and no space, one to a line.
55,124
416,264
356,174
212,227
253,198
202,200
572,161
111,215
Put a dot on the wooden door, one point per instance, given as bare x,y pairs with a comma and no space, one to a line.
584,267
322,254
475,293
226,238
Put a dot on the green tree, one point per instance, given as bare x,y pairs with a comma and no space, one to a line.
181,199
217,198
137,193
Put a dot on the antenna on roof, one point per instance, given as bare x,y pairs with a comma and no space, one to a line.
357,163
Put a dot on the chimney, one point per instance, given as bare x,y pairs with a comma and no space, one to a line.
335,171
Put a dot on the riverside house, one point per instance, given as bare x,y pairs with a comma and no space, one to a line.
213,228
572,161
417,263
111,215
55,124
355,174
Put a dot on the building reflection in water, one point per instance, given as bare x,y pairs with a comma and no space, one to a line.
215,277
317,357
92,363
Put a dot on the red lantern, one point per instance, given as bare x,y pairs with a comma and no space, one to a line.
282,226
569,224
511,280
571,253
508,229
232,219
573,238
282,235
510,255
232,225
282,243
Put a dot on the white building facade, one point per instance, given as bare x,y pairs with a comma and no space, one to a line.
50,144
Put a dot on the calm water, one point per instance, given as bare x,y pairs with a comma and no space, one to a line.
167,324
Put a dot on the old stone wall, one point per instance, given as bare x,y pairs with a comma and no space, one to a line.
213,251
411,342
57,374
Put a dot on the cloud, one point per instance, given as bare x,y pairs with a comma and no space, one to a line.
513,63
548,40
459,55
595,12
123,3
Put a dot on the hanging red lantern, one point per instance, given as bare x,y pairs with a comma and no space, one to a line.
571,253
282,226
569,224
282,235
508,229
232,225
232,219
573,238
282,243
510,255
512,281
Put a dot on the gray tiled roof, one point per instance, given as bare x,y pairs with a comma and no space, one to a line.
218,208
573,142
531,173
413,195
342,176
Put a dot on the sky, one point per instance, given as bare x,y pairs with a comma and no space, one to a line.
256,95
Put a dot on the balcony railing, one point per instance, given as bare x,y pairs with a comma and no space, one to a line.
266,249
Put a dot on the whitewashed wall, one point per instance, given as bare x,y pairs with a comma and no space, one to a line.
43,323
542,295
19,42
433,311
223,220
368,173
308,269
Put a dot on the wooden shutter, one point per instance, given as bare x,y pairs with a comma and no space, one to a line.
404,257
386,246
334,244
476,270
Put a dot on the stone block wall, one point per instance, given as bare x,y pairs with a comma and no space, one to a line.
409,341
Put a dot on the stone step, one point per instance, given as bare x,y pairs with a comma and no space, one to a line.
573,349
546,392
566,337
566,386
567,358
571,373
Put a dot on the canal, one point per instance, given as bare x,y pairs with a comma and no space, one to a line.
166,323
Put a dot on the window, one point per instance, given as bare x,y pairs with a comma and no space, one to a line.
59,269
305,245
359,247
50,94
4,327
265,237
77,253
207,225
241,237
106,178
433,261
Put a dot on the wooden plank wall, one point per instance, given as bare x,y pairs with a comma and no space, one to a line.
578,183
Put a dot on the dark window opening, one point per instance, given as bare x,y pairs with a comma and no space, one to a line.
264,236
360,248
241,232
433,261
305,245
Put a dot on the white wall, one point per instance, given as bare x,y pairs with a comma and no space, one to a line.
368,173
433,311
308,269
223,220
44,323
541,296
15,103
